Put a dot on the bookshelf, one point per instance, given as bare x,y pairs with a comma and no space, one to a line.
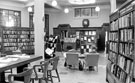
88,39
120,68
87,36
14,37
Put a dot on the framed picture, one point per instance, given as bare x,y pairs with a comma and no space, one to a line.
77,12
85,12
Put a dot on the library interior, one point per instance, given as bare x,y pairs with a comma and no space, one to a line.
67,41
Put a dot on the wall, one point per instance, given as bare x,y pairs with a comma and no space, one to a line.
57,17
18,7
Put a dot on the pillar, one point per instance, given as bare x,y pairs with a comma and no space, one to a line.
113,5
39,27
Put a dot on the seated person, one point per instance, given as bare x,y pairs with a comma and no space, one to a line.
94,50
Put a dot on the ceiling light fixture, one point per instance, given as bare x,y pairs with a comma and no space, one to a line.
66,10
54,3
82,1
97,9
29,9
23,0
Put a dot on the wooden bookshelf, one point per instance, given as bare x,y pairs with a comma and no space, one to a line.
14,37
87,36
120,68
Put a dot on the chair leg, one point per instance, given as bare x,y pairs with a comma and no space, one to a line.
46,80
40,81
11,71
57,75
32,80
49,75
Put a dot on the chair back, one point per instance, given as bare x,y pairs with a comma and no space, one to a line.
44,69
27,75
92,60
54,62
72,58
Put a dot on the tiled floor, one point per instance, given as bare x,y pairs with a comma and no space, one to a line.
75,76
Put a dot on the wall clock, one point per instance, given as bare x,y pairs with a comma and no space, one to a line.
85,22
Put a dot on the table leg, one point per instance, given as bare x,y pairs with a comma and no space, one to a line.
2,77
19,70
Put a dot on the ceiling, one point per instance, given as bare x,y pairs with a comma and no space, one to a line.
65,3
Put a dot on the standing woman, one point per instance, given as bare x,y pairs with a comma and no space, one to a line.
62,43
77,44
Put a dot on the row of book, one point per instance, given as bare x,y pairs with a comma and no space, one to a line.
16,44
25,40
15,48
10,32
9,40
126,49
126,20
112,56
114,25
113,68
126,35
10,44
31,36
113,36
31,32
17,32
10,36
113,46
17,40
125,64
10,48
120,74
27,47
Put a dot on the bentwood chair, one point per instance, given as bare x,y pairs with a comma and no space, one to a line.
26,74
91,60
40,75
53,67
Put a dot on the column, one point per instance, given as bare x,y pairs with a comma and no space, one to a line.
39,27
113,5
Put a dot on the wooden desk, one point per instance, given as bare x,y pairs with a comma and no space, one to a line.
19,63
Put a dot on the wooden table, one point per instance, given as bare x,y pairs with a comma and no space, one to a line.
20,63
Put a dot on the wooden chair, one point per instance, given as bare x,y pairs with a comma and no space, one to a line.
26,74
40,75
72,59
53,67
91,60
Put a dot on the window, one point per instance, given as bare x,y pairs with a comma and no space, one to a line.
10,18
85,12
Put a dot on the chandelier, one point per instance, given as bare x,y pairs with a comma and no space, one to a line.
82,1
